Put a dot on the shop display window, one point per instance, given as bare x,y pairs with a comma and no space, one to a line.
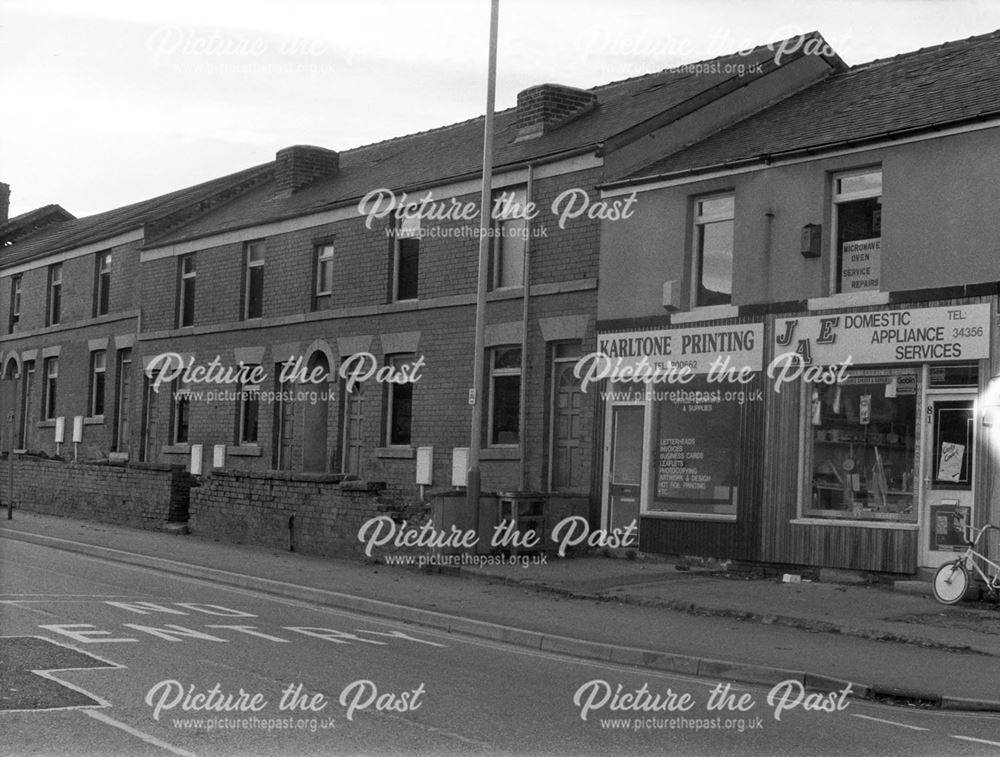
861,447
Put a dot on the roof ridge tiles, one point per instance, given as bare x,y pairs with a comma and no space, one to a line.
953,43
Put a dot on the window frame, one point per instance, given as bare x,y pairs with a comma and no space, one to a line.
50,379
53,303
395,391
407,229
244,406
518,217
700,221
180,408
250,267
102,283
14,317
323,256
836,200
863,374
494,374
97,386
187,289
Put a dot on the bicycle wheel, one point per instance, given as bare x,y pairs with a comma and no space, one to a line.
950,583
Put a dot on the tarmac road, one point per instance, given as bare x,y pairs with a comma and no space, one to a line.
355,685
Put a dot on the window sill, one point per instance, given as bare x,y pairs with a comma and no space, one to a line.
708,313
846,523
93,420
51,423
500,453
848,300
243,450
176,449
396,453
689,516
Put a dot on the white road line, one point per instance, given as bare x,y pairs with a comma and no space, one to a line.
890,722
978,741
98,715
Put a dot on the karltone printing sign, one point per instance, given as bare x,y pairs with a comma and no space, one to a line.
694,348
919,335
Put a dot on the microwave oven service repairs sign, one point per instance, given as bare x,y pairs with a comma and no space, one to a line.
918,335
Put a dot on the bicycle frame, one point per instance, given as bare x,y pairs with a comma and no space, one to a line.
972,557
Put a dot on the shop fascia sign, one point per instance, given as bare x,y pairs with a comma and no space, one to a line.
918,335
698,349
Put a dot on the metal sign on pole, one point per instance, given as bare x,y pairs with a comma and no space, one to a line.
474,476
10,467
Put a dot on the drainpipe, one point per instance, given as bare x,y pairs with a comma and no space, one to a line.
526,283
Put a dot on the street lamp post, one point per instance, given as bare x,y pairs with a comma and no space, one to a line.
475,394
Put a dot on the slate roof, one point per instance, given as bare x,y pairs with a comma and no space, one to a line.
455,152
889,98
80,231
444,154
28,223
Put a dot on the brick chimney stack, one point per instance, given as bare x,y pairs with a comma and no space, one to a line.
299,166
4,202
546,106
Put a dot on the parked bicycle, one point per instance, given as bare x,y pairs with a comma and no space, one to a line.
952,579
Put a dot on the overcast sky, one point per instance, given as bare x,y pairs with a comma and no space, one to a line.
108,102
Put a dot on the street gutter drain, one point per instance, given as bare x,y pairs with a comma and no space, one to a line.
901,698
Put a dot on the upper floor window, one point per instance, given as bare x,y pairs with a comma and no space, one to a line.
98,371
253,295
857,221
53,310
712,272
324,270
510,222
102,293
505,396
406,260
15,303
185,294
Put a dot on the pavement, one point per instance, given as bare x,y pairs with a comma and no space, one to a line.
894,646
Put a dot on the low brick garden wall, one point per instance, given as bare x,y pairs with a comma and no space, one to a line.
312,513
140,495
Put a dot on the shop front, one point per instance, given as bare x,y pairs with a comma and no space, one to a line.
683,415
889,449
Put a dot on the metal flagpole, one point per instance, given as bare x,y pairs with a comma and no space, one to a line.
485,220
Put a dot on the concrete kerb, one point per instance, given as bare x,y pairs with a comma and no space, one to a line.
692,608
644,658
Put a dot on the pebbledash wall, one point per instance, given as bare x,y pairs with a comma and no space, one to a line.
139,495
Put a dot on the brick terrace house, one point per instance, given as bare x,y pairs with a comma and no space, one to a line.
278,263
853,220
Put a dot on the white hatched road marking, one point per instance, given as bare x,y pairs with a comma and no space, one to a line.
978,741
890,722
97,715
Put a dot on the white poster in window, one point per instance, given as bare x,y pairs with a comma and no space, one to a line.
861,265
950,466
